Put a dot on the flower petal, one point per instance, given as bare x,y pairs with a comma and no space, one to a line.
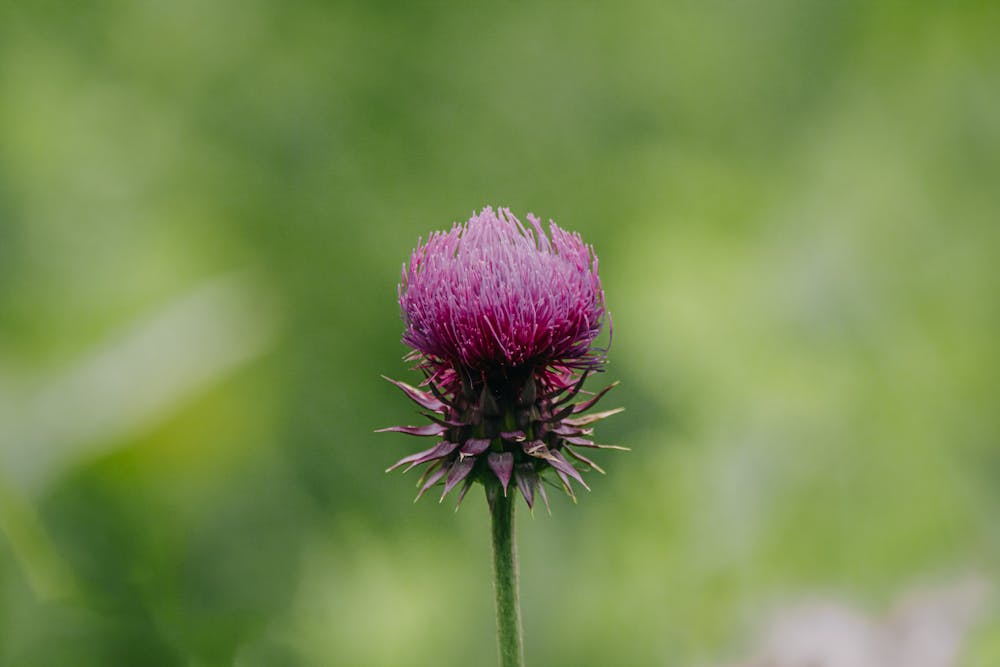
586,405
432,479
464,490
559,462
536,448
527,480
583,459
475,446
443,449
567,486
545,497
421,431
435,452
566,429
459,470
573,391
591,418
502,464
421,398
444,422
583,442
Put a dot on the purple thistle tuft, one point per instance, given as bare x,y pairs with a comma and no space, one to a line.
502,319
491,293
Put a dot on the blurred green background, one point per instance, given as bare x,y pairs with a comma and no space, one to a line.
203,212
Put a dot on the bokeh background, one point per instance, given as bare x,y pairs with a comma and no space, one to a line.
203,212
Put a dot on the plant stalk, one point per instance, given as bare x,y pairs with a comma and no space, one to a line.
505,582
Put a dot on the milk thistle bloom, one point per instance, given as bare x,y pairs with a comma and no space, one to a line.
502,320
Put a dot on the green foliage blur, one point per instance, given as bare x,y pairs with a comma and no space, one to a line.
204,208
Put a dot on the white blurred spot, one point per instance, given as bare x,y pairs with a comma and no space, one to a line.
927,628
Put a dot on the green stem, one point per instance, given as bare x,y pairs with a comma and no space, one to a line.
505,575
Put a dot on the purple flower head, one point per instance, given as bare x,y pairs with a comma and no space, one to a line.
492,293
502,320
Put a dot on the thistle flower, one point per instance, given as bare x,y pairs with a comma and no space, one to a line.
502,319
